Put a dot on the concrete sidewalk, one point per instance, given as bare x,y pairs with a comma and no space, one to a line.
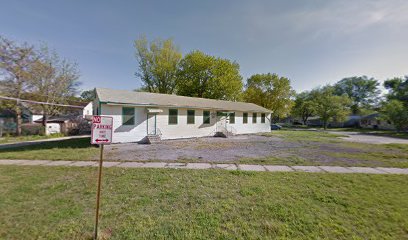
241,167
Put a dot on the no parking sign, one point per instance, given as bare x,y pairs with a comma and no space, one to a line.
101,130
101,133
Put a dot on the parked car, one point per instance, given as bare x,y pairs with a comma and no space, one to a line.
276,127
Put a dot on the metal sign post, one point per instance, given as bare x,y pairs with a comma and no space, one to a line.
101,135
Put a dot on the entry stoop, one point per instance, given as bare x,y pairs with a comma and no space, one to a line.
150,139
220,134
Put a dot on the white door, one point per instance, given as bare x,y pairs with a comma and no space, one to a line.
151,124
221,122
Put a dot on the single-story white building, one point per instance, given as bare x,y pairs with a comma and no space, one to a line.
140,116
87,110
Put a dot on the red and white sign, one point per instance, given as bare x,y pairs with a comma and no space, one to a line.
101,130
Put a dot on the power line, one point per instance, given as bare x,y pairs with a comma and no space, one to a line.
37,102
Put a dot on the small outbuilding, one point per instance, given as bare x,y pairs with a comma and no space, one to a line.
140,116
66,125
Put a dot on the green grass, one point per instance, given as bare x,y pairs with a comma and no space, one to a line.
10,139
58,203
71,149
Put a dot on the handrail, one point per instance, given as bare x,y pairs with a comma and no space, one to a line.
155,132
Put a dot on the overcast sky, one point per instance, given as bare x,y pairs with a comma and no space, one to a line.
312,42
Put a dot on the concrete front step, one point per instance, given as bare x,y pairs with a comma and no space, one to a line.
153,139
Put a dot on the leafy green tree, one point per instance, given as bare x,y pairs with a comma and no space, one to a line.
158,61
397,89
15,63
270,91
88,95
205,76
304,106
363,92
396,112
330,107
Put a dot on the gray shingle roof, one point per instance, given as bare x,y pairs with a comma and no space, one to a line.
167,100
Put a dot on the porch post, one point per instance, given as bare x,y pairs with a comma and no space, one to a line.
155,124
147,123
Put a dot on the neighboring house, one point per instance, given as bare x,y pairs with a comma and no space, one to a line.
351,121
87,110
35,117
140,115
374,121
28,115
314,122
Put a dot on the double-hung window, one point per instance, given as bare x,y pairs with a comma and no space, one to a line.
128,116
206,117
245,118
263,118
173,116
253,117
190,116
232,118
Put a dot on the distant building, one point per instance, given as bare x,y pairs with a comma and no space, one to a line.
374,121
87,110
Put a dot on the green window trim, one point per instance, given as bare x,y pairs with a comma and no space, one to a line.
173,116
190,116
254,117
245,118
206,117
128,116
263,118
232,118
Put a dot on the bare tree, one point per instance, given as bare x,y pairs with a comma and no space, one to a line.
15,63
53,80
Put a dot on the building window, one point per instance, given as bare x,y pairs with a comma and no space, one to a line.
190,116
232,118
173,116
253,117
245,118
263,118
128,116
206,117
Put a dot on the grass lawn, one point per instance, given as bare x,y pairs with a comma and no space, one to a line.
71,149
27,138
58,203
341,153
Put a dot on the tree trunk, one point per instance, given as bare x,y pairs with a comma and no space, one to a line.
325,124
304,120
19,121
44,121
45,117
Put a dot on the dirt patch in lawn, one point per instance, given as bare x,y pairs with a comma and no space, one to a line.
257,149
202,149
